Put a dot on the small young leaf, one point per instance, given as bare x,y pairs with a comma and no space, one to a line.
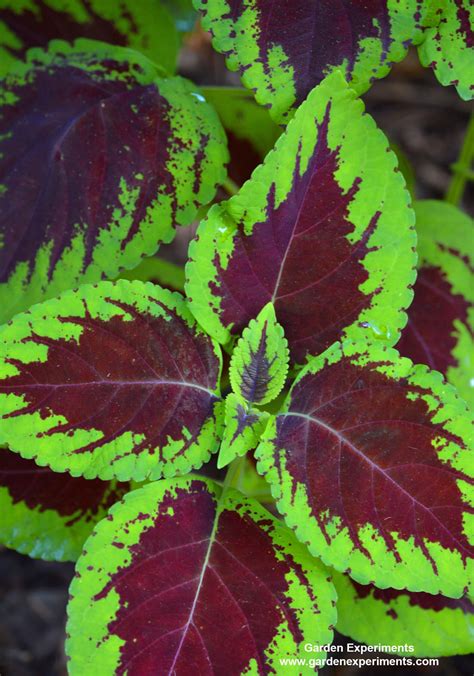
49,515
440,325
449,48
434,625
113,380
140,24
99,160
283,49
180,574
159,271
323,230
251,132
243,428
259,363
371,462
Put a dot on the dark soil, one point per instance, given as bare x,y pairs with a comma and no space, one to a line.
427,122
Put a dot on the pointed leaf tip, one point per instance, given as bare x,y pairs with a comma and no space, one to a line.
177,570
323,230
448,48
263,41
259,363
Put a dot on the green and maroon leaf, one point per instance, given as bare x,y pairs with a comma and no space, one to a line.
449,48
434,625
251,132
50,515
323,229
182,578
371,462
243,428
440,325
141,153
143,25
282,50
259,363
113,380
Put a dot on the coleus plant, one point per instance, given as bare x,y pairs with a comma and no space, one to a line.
121,376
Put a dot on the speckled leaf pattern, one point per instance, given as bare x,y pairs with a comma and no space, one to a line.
323,229
113,380
243,428
449,48
259,363
434,625
371,462
49,515
182,577
283,49
140,24
251,132
100,159
440,325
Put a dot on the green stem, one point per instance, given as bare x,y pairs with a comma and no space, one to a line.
230,186
462,171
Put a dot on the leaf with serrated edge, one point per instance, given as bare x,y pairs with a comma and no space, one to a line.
113,380
48,515
180,573
440,325
283,49
142,152
259,363
434,625
449,48
371,462
140,24
242,431
323,229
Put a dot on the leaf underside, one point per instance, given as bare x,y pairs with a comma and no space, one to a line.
139,24
433,625
178,573
282,50
113,380
440,325
50,515
449,48
142,152
322,229
370,461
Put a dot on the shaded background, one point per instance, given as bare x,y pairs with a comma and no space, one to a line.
427,122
